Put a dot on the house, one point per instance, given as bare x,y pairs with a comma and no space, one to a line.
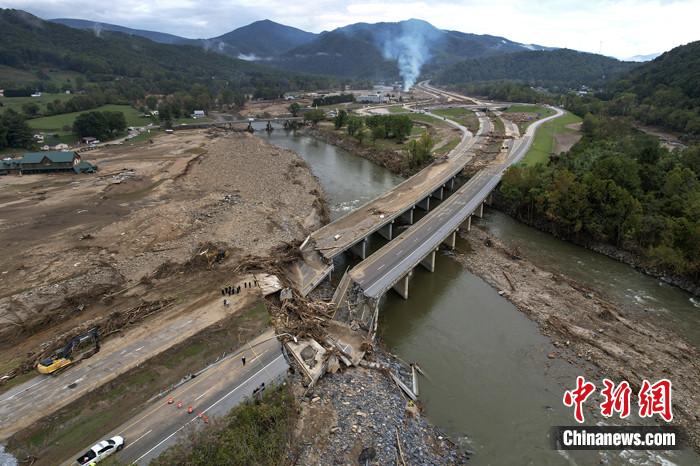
36,94
2,92
47,162
89,140
198,114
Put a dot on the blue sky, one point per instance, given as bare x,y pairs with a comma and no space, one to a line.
616,28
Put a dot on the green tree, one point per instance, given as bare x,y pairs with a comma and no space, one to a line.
355,124
340,119
152,102
294,109
420,150
30,109
91,124
17,132
116,122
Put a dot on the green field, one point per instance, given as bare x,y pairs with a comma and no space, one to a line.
461,115
15,103
56,123
396,109
543,145
524,108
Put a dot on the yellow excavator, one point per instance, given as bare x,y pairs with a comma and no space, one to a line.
76,349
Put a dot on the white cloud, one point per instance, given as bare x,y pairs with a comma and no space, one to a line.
619,28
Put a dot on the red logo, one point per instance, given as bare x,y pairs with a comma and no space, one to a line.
578,396
656,399
652,399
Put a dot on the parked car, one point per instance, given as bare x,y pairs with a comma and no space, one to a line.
101,450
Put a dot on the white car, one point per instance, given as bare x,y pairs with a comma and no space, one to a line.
101,450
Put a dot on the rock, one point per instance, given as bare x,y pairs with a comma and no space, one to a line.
360,413
552,355
367,455
333,364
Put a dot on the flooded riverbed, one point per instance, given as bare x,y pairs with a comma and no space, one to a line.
490,382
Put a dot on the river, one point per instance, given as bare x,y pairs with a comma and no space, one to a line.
490,383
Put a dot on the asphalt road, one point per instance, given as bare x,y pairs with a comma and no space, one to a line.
42,395
212,393
368,218
388,265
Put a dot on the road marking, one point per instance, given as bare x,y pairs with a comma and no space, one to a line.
214,404
139,348
25,390
131,443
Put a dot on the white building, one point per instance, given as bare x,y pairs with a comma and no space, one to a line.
372,99
198,114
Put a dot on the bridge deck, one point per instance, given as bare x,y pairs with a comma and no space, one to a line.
363,221
378,273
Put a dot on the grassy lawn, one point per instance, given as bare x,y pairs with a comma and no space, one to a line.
396,109
422,117
543,145
55,123
524,108
15,103
446,148
463,116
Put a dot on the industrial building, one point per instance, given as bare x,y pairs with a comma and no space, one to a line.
372,98
46,162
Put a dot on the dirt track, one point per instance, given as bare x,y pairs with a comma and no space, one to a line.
148,225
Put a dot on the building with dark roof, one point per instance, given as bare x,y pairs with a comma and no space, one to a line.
46,162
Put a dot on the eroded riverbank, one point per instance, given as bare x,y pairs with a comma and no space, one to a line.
589,330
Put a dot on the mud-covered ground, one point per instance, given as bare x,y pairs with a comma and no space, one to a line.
149,225
590,329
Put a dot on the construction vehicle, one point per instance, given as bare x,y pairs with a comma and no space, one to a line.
78,348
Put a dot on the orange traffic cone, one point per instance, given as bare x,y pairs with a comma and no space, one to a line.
189,409
170,400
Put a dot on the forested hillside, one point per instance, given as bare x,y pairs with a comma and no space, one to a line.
133,65
556,70
663,92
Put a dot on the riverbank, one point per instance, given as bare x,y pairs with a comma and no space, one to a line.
626,257
391,160
591,332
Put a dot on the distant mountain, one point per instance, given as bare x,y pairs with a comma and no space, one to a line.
98,27
261,40
643,58
392,50
114,59
561,68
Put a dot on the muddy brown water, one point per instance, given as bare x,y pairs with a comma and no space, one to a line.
490,383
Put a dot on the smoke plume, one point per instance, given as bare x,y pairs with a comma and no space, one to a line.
409,46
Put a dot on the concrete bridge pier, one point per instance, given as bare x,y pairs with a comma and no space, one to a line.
438,193
387,231
451,184
480,211
429,261
407,217
401,286
489,200
451,240
360,249
468,222
424,204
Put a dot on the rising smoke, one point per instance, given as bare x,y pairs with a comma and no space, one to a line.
410,47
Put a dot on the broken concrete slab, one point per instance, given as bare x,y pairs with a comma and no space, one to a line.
310,356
